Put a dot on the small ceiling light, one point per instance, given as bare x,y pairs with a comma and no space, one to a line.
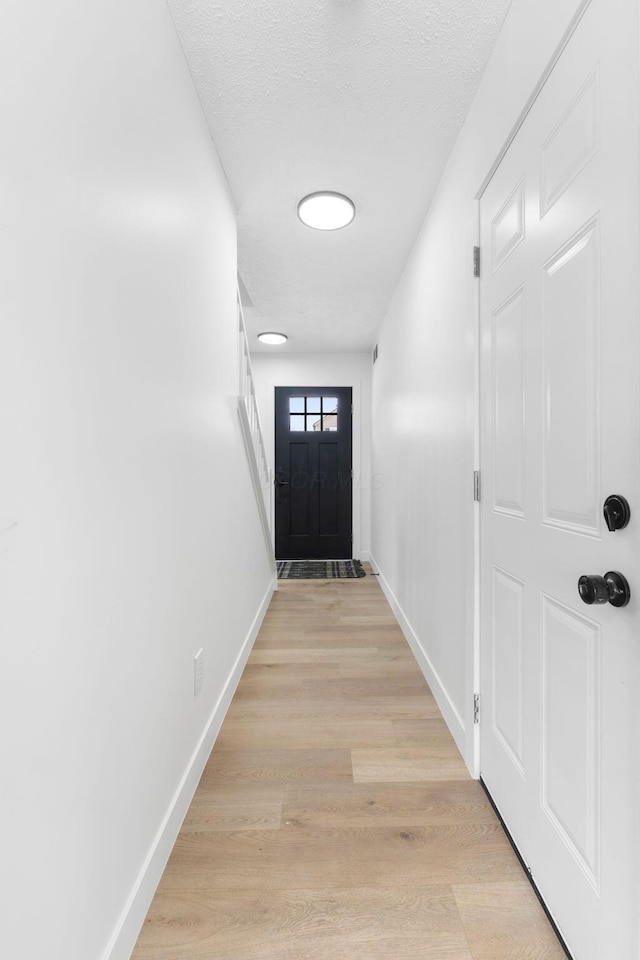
272,338
326,210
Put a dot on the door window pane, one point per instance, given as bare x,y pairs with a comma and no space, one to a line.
330,422
313,414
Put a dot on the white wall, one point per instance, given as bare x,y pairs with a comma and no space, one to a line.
136,540
326,370
423,384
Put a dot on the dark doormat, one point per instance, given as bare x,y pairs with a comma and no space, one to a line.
319,569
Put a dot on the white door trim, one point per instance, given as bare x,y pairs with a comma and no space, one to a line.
357,445
475,767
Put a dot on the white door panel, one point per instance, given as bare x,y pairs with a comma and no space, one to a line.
570,740
560,430
571,426
508,665
508,347
572,143
507,227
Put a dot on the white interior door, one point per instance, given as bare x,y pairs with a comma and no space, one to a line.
560,356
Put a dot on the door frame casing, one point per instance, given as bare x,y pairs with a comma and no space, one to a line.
361,482
344,447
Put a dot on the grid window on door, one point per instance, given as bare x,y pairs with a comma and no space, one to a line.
313,414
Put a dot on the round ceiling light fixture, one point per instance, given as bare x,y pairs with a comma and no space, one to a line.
274,339
326,210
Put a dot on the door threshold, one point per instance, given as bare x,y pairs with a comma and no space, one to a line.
318,560
527,872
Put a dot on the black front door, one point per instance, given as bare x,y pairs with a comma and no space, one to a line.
313,473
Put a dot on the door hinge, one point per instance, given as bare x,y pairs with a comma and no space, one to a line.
476,261
476,485
476,708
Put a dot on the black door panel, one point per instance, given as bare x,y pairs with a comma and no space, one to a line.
313,473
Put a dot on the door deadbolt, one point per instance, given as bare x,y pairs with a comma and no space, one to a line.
616,512
613,588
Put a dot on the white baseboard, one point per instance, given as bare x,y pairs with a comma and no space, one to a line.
447,707
365,556
130,922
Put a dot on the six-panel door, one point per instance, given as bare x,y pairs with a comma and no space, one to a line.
560,364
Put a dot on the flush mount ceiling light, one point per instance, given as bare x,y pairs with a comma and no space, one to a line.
326,210
272,338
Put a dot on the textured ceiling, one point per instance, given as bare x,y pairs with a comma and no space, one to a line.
363,97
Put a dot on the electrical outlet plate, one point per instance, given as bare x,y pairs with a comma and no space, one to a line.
198,671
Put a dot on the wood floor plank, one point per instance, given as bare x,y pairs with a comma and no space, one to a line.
335,817
353,689
323,732
268,654
261,688
504,921
235,805
391,804
297,670
402,664
337,639
422,732
436,761
300,856
358,923
314,711
329,690
322,765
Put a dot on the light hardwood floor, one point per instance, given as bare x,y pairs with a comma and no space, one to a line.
335,819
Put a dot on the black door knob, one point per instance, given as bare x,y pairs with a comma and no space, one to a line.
593,589
612,588
616,512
